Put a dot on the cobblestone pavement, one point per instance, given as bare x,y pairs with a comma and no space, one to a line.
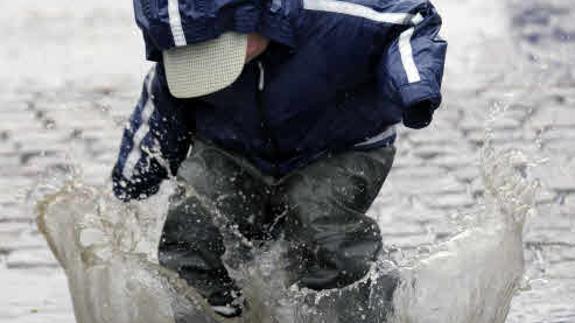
70,76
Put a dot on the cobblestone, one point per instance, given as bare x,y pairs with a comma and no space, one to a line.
35,257
449,201
47,302
15,241
442,184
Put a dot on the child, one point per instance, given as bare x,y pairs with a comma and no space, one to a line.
280,115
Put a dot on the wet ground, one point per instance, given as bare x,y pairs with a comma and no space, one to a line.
70,76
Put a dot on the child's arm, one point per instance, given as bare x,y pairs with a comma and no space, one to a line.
412,68
155,141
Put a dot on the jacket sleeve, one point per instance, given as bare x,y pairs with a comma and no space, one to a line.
155,141
412,67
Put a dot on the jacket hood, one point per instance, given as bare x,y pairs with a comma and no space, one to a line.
173,23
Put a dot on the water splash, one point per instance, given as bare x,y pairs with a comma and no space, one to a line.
473,276
108,250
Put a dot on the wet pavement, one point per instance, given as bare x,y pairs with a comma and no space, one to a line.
70,76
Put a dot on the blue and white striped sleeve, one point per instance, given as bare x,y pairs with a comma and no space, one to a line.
155,141
412,68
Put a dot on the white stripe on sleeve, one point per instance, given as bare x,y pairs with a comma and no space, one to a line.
354,9
136,152
176,23
357,10
406,52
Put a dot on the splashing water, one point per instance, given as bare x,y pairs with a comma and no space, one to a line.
473,276
108,250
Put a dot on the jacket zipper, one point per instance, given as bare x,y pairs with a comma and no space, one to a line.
270,140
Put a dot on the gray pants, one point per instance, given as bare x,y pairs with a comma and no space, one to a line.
319,210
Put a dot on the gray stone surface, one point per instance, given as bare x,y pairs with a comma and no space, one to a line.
71,75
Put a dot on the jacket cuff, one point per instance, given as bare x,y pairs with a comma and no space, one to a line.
419,101
412,94
126,190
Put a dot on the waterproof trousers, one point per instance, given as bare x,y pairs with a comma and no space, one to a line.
320,211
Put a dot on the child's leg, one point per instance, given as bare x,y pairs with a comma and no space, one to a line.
332,243
192,243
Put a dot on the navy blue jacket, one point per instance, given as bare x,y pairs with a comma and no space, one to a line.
336,76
